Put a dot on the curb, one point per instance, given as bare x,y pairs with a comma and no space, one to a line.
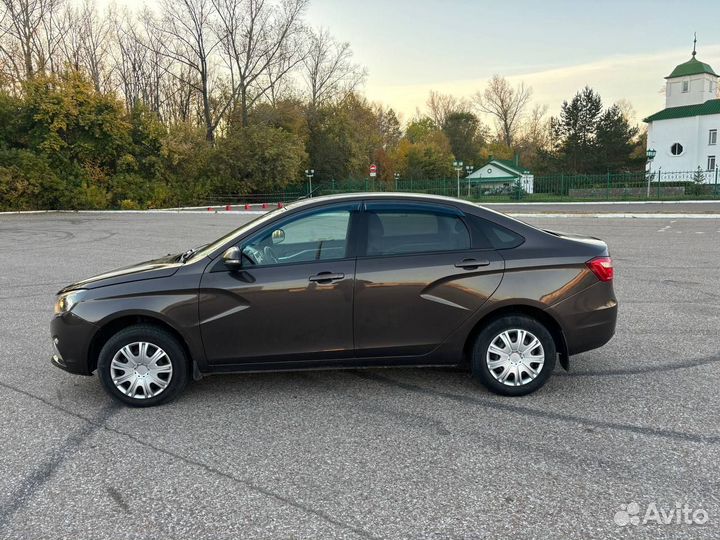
615,215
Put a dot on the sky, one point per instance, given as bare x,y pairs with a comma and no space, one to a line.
623,49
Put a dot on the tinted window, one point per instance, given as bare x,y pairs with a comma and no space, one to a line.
319,236
489,235
399,231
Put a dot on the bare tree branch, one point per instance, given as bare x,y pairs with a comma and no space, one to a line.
256,37
441,105
329,71
506,104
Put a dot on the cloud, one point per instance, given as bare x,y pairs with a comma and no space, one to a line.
636,78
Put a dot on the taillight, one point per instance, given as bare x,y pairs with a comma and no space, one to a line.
602,267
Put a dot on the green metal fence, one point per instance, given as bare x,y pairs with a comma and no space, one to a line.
656,185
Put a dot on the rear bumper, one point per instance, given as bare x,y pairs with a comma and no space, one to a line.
588,318
71,337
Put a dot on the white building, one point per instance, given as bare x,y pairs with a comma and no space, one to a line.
685,133
500,173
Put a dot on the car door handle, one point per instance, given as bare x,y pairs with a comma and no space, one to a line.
470,264
326,277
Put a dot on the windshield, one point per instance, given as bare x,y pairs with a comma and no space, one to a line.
217,244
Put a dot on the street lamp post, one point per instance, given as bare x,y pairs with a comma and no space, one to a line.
397,177
468,170
458,166
650,154
309,173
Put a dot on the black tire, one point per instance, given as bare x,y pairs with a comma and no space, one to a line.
481,370
157,337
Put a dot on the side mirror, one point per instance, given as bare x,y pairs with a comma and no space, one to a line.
232,257
278,236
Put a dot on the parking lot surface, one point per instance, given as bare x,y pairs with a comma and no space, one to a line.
394,453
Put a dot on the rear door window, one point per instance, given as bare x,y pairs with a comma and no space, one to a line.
402,229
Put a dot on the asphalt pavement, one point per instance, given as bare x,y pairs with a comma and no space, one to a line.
603,207
393,453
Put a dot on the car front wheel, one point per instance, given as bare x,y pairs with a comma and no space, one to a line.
143,366
514,355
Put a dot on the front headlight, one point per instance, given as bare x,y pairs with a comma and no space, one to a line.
66,301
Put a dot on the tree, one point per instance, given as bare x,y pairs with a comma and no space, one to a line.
534,140
505,104
424,153
65,118
588,139
28,24
575,131
389,127
260,40
257,158
288,114
615,138
84,41
430,159
463,131
95,33
419,129
328,70
345,139
698,176
186,38
440,106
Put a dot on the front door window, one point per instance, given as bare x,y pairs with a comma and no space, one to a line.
321,236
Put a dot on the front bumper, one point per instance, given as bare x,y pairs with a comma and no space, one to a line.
71,336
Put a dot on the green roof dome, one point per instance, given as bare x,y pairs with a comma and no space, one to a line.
691,67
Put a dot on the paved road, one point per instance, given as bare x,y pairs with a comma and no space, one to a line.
364,454
670,207
619,207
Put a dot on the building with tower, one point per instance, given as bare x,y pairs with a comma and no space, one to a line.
684,135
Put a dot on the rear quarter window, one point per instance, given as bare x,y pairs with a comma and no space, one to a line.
489,235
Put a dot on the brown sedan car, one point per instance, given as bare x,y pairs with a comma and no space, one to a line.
345,282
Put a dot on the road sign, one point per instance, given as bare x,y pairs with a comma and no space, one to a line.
373,170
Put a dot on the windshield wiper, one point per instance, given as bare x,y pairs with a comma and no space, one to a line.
185,256
189,253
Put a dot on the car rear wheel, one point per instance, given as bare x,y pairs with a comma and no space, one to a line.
143,366
514,355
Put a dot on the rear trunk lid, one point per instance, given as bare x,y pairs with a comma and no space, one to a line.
600,247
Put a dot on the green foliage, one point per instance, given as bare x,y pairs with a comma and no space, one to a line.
91,196
389,127
186,155
65,118
419,129
343,139
286,114
63,144
590,139
614,138
429,159
28,182
576,130
256,158
462,131
699,176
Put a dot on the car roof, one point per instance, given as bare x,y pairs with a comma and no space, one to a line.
379,196
466,206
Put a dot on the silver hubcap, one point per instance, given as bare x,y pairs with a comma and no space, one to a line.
141,370
515,357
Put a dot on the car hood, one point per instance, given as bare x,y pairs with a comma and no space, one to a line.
156,268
